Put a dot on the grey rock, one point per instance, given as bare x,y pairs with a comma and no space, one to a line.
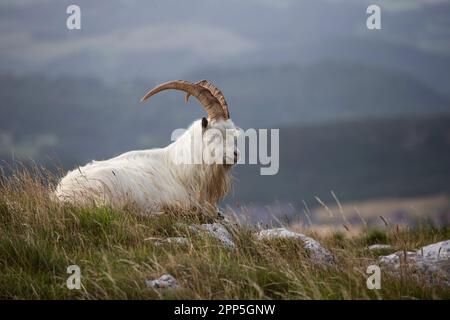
165,282
394,260
433,261
173,240
219,232
317,252
379,247
436,252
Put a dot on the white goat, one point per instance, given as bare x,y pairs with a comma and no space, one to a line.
165,179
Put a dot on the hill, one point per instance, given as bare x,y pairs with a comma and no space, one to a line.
79,119
357,160
119,251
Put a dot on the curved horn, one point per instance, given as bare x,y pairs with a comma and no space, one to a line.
211,104
216,93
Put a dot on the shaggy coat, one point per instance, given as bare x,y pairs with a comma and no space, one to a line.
159,179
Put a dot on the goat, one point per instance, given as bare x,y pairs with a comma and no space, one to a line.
167,178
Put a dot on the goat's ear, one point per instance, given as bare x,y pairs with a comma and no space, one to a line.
204,123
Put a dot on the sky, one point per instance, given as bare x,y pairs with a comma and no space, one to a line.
161,39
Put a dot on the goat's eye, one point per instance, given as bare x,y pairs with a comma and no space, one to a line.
204,122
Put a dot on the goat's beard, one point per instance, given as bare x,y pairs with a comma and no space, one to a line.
215,184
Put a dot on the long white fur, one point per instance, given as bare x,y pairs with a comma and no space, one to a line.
156,179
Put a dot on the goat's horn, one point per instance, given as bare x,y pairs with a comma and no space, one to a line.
216,93
211,104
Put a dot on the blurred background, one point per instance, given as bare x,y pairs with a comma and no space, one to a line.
364,115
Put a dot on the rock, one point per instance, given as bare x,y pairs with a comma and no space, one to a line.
433,261
314,248
164,282
379,247
219,232
436,252
173,240
394,259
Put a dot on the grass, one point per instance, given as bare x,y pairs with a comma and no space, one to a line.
117,252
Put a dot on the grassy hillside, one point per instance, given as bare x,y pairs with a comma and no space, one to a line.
117,252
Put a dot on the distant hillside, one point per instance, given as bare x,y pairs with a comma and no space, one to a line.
326,91
88,118
357,160
328,140
430,68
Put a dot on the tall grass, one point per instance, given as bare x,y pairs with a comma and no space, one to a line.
117,252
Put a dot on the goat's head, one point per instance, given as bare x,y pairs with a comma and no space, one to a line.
219,133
